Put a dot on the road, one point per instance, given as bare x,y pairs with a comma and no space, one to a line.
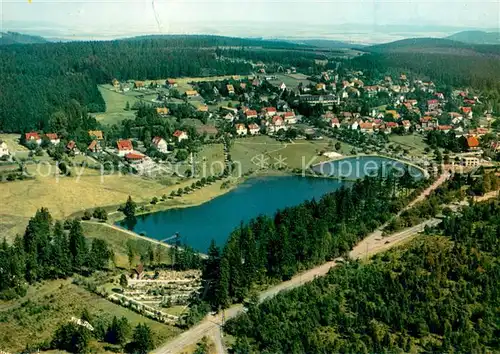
372,244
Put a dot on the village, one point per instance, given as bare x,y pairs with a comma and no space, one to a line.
387,112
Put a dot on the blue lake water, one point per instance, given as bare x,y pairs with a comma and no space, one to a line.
361,166
217,218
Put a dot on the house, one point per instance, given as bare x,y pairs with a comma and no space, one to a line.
71,147
94,146
162,111
440,95
171,83
355,125
427,122
251,113
254,129
54,139
456,118
192,93
269,111
180,135
160,144
241,130
256,82
4,149
467,111
282,87
335,123
134,157
406,124
33,137
469,101
203,108
472,143
116,84
432,105
96,134
229,117
290,117
318,99
277,124
393,113
471,161
366,127
445,128
124,147
230,89
139,85
138,272
320,87
243,86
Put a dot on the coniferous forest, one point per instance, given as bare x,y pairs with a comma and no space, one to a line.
37,80
438,294
300,237
49,250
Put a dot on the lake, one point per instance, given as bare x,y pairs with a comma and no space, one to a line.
217,218
361,166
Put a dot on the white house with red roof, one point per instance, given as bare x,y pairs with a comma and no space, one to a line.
277,124
241,130
180,135
290,117
251,113
269,111
134,157
467,111
124,147
432,105
160,144
54,139
335,123
33,137
254,129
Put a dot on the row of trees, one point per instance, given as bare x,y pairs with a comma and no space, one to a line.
299,237
436,296
49,250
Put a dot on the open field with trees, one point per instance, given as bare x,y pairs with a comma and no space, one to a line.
414,143
115,105
34,318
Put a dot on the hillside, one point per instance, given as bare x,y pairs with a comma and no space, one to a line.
7,38
327,44
434,46
476,37
440,294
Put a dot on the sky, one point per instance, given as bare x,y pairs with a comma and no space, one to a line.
269,18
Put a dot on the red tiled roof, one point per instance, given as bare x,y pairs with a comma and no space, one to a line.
445,127
253,126
32,135
251,113
466,109
178,133
432,101
71,145
276,119
270,109
156,140
472,141
51,136
124,145
134,156
289,114
92,145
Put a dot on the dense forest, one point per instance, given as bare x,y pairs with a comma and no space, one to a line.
454,69
439,294
300,237
48,250
37,80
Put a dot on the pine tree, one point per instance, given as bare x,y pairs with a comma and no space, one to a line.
129,208
77,245
60,251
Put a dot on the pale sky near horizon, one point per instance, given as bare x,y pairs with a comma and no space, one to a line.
138,16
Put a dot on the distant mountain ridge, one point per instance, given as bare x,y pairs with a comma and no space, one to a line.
434,45
476,37
7,38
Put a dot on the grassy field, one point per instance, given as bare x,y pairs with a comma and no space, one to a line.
291,80
249,151
115,105
65,196
414,143
12,141
35,317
